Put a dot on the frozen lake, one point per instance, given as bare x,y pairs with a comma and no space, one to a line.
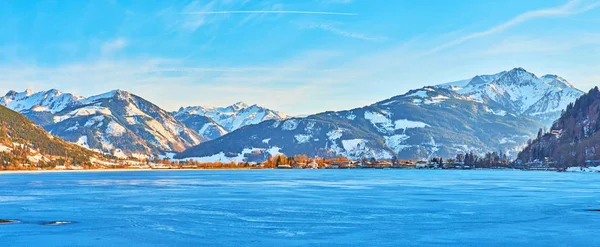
301,207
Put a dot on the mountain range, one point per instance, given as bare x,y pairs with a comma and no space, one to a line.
498,112
117,122
124,124
215,122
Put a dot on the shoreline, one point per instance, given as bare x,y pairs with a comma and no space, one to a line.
112,170
223,169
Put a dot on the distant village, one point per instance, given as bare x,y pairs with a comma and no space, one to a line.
492,160
461,161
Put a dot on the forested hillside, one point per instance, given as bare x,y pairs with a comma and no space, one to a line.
573,139
24,143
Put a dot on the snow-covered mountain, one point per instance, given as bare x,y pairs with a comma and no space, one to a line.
116,122
497,112
225,119
423,123
520,92
45,101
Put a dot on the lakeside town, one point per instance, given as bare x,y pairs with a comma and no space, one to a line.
460,162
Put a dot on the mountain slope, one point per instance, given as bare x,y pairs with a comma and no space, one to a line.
30,144
227,118
203,125
116,122
574,137
423,123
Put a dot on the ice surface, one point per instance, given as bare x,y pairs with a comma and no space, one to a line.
301,208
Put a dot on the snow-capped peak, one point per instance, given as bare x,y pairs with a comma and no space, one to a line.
556,81
239,105
519,91
517,77
44,101
234,116
118,93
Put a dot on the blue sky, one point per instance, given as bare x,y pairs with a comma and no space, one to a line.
297,56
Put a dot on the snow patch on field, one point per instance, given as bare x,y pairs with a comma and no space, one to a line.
274,151
301,138
436,100
220,157
205,127
94,120
335,134
106,145
120,154
381,122
141,156
351,116
115,129
403,124
37,158
310,127
240,157
584,169
395,142
420,94
83,141
354,145
291,124
131,120
356,149
385,125
276,124
417,101
497,112
132,110
434,147
73,128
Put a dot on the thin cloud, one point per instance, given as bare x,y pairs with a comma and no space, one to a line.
344,33
267,12
339,1
113,46
570,8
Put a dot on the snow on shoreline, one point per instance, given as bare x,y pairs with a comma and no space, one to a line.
583,169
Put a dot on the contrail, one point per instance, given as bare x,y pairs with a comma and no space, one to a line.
267,12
